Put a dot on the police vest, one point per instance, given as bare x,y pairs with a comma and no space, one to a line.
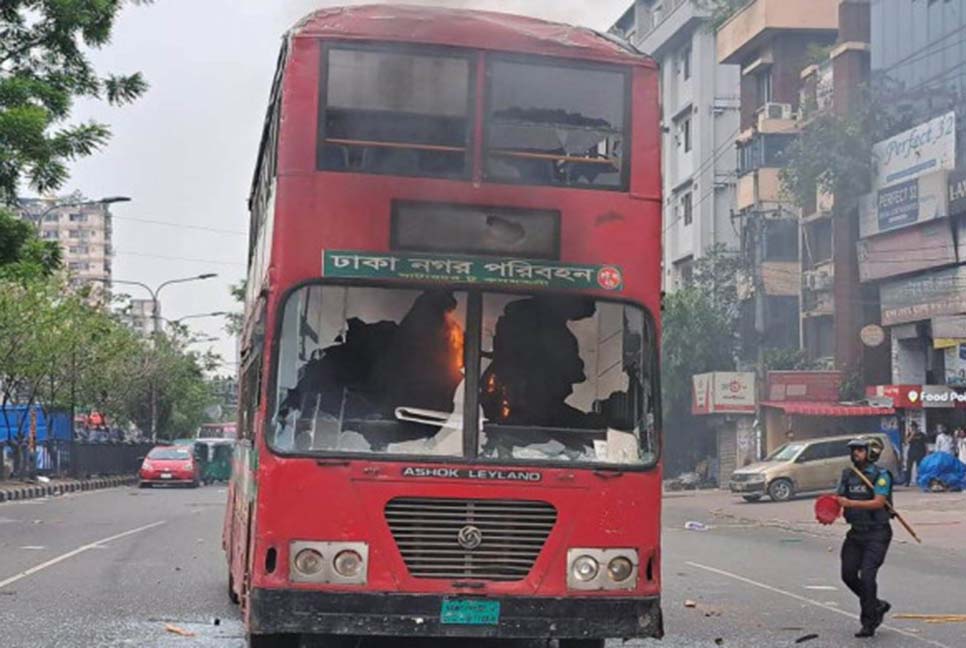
856,489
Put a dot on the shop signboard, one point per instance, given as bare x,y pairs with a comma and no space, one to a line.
905,251
908,203
821,386
956,365
901,396
956,197
942,292
723,392
927,147
949,326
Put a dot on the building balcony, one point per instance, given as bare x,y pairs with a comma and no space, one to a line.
755,24
760,186
680,15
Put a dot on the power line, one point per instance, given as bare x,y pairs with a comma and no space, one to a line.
182,225
175,258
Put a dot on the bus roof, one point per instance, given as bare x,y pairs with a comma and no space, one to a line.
465,28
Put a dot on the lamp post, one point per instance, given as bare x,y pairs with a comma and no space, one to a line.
156,318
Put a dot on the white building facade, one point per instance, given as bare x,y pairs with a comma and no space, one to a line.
700,119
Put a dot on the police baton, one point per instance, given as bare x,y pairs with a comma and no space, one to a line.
887,504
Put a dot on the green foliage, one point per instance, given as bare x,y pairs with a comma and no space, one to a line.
22,253
720,11
58,349
786,360
700,328
44,66
235,321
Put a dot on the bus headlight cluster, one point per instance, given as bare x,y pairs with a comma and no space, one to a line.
602,569
337,563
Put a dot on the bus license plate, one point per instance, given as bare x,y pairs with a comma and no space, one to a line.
165,475
470,612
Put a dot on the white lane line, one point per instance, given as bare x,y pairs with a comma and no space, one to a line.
805,599
79,550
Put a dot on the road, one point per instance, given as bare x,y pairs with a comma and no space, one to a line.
112,568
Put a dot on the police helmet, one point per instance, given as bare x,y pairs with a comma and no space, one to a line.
872,445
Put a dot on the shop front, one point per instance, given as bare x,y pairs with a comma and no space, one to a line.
727,400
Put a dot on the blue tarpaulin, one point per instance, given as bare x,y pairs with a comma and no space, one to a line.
15,423
943,467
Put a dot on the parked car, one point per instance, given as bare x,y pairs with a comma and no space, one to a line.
169,465
805,466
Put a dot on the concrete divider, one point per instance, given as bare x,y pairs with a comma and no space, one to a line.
47,490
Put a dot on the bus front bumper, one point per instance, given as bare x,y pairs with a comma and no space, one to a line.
418,615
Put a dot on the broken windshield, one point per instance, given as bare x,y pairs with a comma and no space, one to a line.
383,371
555,125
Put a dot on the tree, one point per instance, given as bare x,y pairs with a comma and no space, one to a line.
720,11
43,68
699,335
22,252
235,321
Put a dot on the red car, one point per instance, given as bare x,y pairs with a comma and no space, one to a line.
169,465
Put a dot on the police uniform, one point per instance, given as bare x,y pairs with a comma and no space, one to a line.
867,541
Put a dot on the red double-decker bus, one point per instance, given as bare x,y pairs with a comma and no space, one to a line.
449,399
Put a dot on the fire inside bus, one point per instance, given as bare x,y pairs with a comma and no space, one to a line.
449,416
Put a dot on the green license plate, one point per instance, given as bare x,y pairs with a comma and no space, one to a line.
470,612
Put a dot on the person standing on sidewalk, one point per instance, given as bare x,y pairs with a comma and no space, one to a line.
944,441
867,542
961,443
916,440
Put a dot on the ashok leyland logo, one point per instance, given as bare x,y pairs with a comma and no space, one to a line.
470,537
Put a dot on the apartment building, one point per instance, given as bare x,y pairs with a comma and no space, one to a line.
84,233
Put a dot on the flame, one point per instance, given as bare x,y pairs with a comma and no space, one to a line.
455,337
492,387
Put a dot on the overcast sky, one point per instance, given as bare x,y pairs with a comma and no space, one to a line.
185,152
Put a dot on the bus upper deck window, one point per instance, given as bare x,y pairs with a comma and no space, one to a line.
554,125
395,112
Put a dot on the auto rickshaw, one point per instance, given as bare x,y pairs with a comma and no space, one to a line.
216,465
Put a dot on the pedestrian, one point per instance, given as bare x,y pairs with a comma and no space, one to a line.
916,440
944,441
961,443
867,541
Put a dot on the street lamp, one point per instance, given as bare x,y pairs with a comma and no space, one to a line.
108,200
156,317
196,316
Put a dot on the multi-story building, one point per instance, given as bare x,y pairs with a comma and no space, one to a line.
700,120
83,231
913,231
771,41
140,316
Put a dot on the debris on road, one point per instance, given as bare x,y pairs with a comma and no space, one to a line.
173,629
805,638
690,604
691,525
933,618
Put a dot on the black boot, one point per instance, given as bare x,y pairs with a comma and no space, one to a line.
880,611
865,632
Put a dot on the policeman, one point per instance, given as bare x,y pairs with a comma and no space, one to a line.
868,540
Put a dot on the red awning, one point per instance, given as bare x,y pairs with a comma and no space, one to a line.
810,408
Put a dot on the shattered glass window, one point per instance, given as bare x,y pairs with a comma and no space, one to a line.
555,125
396,112
566,378
371,370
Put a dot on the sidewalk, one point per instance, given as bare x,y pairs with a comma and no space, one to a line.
18,490
938,518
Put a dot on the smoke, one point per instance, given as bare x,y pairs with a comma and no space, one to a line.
597,15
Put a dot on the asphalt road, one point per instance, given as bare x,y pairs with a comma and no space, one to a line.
113,568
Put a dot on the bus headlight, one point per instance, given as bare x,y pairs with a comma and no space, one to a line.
585,568
337,563
602,569
308,562
348,564
620,569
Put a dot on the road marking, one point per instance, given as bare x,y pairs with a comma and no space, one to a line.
822,588
803,599
70,554
34,547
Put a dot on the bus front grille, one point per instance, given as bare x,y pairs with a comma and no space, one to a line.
496,540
